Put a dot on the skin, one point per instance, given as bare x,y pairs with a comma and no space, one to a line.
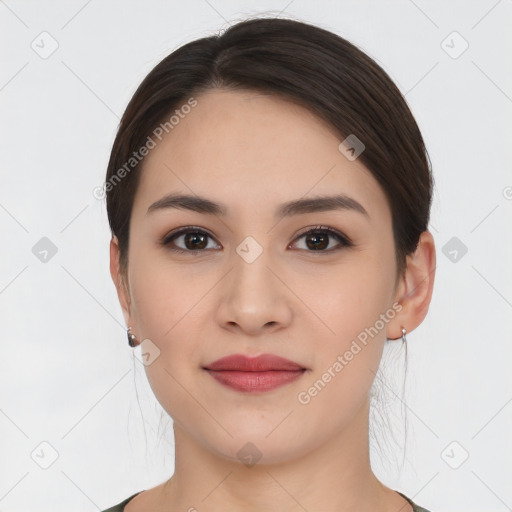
251,152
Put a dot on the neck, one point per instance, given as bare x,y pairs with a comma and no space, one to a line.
335,476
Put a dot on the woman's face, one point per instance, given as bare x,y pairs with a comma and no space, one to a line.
254,284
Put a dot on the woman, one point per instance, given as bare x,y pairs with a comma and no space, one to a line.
269,194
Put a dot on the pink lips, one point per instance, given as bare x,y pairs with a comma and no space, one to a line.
253,374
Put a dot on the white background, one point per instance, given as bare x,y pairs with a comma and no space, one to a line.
67,375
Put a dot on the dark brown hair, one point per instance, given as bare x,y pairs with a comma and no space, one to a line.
303,63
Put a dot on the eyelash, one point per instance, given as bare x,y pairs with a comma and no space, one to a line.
344,240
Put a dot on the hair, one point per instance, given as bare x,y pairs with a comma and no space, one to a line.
302,63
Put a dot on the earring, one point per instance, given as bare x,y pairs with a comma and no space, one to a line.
403,337
131,338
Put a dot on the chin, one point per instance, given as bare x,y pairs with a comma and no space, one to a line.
254,447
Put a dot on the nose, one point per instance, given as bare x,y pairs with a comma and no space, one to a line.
253,298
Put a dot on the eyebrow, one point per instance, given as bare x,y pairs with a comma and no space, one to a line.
300,206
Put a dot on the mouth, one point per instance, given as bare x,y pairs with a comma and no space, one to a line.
254,374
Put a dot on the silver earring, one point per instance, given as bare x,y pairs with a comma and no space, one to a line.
131,338
403,337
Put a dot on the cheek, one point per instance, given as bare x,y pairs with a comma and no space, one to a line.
166,315
350,345
162,293
169,311
347,300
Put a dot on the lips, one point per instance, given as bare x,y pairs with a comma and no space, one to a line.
254,374
262,363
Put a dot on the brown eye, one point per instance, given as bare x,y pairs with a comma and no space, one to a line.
190,240
194,240
318,239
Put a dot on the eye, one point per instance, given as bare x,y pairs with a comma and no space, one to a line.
195,240
318,239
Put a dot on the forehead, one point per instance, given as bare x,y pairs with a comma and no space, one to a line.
252,150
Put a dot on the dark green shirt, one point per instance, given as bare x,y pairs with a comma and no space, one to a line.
120,506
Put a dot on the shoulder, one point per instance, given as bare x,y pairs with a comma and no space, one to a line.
120,506
415,507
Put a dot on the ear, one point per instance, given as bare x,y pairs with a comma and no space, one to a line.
414,291
120,280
